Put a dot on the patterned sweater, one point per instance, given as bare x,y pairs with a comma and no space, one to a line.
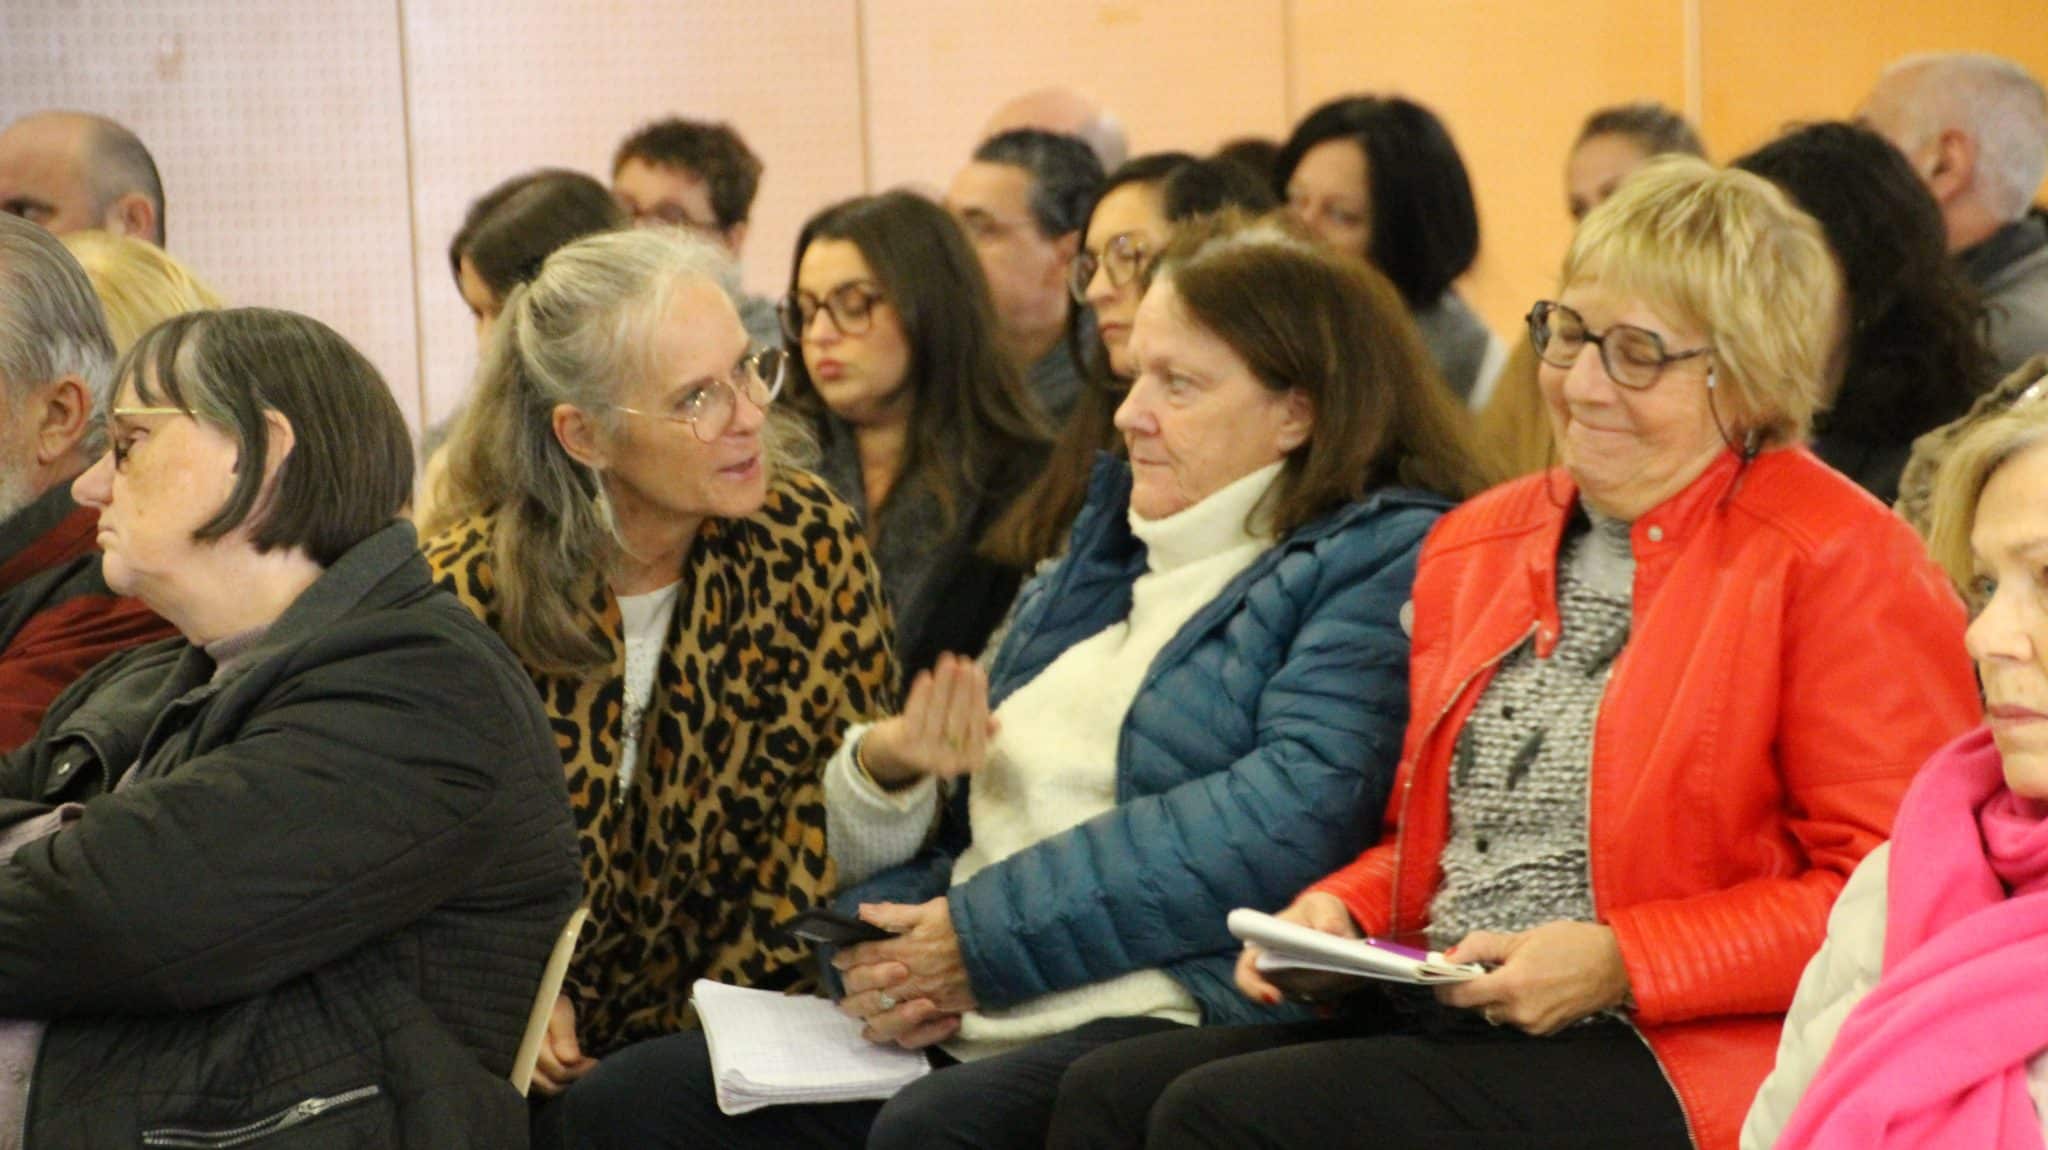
778,642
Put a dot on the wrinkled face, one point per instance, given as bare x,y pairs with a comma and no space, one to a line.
1597,167
1026,270
1329,192
1630,450
654,465
2009,637
483,302
43,178
861,375
164,477
1196,419
1128,230
657,195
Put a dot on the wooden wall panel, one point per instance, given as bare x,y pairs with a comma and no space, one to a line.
1179,73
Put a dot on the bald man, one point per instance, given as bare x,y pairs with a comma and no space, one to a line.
1975,128
69,171
1068,113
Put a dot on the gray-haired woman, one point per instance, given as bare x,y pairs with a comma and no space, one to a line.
297,872
703,621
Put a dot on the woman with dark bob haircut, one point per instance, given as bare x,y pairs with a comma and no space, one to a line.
922,423
1913,356
296,872
1198,708
1378,177
510,229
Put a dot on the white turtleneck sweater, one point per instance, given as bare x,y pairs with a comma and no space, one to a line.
1053,764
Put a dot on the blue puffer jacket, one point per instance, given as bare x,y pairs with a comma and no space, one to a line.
1255,759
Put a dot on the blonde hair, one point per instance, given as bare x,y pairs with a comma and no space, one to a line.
1514,427
1959,485
1727,252
579,334
138,283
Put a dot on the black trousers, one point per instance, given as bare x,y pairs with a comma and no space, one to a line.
658,1095
1414,1078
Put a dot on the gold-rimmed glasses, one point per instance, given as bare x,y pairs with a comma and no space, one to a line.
708,404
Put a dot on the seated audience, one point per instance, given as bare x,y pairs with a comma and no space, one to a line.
58,617
1068,113
1913,356
1975,129
1916,486
1513,431
1132,221
1197,709
701,176
69,171
1921,1021
503,239
303,865
1022,201
1662,698
923,425
1616,141
698,614
1379,177
138,284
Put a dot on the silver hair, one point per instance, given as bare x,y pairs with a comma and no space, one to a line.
51,323
1996,101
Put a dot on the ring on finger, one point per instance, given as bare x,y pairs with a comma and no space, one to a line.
1491,1015
886,1001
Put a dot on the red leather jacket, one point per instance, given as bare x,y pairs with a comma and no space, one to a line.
1794,658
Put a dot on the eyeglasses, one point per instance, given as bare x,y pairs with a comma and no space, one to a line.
668,214
851,306
1124,258
708,406
119,441
1633,356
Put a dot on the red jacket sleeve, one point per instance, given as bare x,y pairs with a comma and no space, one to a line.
60,644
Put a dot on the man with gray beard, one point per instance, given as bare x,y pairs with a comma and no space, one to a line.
57,616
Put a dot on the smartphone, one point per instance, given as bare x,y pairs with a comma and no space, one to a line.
819,925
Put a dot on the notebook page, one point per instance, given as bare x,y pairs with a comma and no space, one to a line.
769,1048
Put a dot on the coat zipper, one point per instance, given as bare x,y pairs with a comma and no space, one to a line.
305,1111
1408,784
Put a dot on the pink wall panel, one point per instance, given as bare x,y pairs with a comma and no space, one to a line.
1179,73
279,128
501,86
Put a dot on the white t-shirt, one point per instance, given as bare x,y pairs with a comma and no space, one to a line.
646,618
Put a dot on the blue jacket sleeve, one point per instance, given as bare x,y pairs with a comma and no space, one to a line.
1152,881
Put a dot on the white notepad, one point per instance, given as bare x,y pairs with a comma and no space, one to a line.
770,1049
1290,946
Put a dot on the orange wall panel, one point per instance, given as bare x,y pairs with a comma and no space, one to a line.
1179,73
1512,81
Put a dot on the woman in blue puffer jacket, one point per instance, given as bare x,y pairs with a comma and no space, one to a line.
1189,714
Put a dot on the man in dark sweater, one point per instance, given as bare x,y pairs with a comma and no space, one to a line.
57,616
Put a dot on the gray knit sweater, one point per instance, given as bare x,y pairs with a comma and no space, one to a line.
1517,855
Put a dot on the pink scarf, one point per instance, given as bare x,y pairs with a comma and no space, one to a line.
1936,1055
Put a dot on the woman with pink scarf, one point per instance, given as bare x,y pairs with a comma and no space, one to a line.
1923,1020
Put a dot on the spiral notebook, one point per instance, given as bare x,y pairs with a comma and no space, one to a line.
770,1049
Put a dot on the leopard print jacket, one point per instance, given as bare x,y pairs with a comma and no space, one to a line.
779,641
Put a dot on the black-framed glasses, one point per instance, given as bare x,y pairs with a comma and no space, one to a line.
851,306
1123,260
1633,356
708,406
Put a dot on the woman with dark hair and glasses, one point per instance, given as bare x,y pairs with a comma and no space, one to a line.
1132,221
1662,700
294,874
699,616
923,425
1378,177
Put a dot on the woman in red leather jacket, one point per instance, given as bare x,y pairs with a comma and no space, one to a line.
1663,699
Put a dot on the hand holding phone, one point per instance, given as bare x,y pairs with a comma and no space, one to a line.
831,928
